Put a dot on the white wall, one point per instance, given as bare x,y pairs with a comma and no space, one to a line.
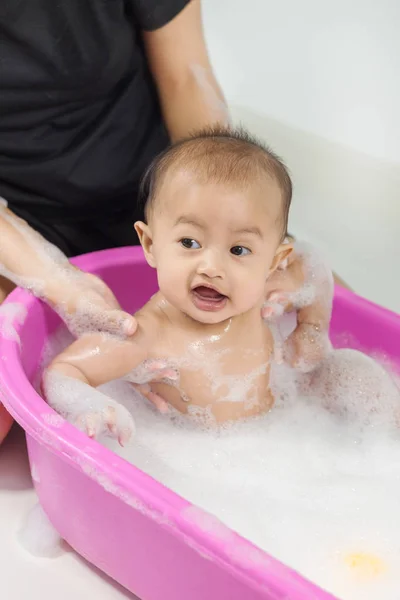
320,81
331,67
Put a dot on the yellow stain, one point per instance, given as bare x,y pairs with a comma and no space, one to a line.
366,565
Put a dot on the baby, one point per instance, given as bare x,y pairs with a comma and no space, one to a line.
216,216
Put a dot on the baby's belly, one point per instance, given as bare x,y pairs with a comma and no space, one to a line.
219,398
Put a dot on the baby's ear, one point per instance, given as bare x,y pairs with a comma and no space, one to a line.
282,254
146,240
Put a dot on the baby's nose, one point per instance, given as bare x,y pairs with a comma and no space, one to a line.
211,265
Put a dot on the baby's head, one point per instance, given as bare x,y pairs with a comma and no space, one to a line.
216,210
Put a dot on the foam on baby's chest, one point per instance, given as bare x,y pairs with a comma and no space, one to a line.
211,374
220,369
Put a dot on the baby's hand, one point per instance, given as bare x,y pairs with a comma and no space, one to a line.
305,286
86,407
287,289
111,418
153,371
277,303
309,343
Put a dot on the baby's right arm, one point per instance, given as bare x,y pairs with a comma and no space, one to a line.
70,380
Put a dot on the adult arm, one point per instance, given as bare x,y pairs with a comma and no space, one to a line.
190,96
29,261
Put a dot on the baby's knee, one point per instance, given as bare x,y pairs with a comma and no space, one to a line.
352,383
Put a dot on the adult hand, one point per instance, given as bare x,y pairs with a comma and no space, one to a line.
86,304
82,300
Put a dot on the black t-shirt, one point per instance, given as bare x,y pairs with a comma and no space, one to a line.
79,114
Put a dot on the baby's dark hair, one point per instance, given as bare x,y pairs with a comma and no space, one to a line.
221,155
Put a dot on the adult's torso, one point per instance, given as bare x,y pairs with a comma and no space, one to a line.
79,115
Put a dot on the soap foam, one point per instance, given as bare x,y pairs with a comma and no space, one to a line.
86,407
317,489
38,536
11,314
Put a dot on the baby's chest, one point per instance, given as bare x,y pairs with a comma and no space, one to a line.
216,363
227,375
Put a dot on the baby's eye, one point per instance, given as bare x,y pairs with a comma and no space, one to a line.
190,244
240,251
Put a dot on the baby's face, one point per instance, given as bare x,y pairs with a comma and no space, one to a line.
214,246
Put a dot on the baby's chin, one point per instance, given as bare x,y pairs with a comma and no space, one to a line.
206,317
223,316
210,318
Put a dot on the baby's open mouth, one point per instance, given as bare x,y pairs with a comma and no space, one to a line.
207,298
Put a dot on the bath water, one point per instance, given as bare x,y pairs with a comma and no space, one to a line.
316,490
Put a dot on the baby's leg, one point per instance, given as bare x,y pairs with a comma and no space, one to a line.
353,384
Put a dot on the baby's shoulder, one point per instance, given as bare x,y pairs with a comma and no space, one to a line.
150,310
150,319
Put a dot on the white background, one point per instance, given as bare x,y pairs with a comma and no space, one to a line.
320,80
331,68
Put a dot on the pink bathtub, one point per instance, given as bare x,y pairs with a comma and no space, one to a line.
140,533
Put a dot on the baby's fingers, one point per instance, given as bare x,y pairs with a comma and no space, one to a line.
146,391
160,369
276,304
272,310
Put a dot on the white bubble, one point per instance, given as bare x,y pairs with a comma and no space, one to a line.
35,473
318,491
38,536
87,408
11,315
315,482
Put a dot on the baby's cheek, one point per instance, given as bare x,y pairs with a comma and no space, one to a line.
249,292
171,278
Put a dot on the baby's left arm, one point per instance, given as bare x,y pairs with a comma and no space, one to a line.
306,286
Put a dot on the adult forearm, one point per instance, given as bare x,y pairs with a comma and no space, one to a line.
26,258
82,300
195,103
